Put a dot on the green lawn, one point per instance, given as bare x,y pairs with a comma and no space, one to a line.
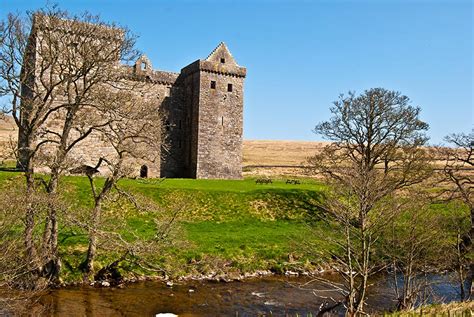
239,186
248,225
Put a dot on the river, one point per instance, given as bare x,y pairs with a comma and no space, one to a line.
269,296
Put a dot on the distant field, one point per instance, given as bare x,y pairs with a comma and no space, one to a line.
7,128
274,157
8,133
275,152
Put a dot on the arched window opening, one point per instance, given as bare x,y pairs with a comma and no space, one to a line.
144,171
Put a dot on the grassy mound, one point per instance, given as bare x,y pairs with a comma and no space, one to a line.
220,226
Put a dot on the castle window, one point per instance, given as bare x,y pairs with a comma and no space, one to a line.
143,66
229,87
213,84
222,60
222,121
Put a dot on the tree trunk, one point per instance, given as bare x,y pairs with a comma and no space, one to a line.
351,295
31,252
51,259
470,275
469,284
91,251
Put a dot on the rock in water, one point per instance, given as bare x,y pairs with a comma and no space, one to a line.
166,315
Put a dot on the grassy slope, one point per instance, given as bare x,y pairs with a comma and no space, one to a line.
238,224
224,225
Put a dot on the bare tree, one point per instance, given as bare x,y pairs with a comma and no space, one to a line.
16,294
408,244
134,131
376,152
459,184
52,77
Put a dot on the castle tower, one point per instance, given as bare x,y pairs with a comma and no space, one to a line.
214,89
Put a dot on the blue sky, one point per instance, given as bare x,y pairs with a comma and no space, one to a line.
300,55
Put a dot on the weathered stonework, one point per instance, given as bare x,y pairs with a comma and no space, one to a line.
202,110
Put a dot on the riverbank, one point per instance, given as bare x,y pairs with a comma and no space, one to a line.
455,309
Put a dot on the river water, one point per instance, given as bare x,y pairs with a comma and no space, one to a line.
269,296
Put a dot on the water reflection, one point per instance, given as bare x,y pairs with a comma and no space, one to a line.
273,295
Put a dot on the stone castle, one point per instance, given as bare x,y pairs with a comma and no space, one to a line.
204,116
203,123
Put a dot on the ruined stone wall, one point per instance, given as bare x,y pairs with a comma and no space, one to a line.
96,146
202,124
174,117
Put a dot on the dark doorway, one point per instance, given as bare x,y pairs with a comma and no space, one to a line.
144,171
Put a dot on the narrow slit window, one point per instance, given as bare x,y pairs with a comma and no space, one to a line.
222,121
229,87
223,60
213,84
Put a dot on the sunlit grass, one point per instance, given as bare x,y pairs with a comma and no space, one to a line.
221,224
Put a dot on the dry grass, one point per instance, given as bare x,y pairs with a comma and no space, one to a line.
275,152
8,136
452,309
7,128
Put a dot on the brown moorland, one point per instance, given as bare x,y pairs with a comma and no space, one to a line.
8,136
